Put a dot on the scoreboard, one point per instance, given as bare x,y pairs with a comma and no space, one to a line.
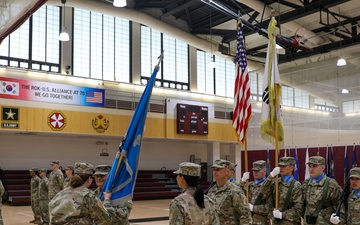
192,119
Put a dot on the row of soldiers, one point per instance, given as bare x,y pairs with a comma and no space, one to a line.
44,189
315,201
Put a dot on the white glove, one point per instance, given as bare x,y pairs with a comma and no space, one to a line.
334,219
277,214
251,206
275,171
245,176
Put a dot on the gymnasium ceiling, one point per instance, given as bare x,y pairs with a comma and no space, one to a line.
331,29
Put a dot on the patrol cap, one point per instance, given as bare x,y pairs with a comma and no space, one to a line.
85,168
43,170
189,169
221,163
34,169
355,172
316,160
69,167
232,166
284,161
259,165
102,169
54,162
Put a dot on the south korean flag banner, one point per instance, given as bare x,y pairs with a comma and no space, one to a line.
9,87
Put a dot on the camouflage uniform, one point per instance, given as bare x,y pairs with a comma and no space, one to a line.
79,205
353,211
67,179
122,213
34,186
67,182
260,209
56,181
292,214
185,211
2,191
43,198
313,191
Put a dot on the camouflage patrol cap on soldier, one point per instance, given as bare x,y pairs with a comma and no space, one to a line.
54,162
221,163
316,160
85,168
259,165
69,167
43,170
102,169
284,161
355,172
232,166
34,169
189,169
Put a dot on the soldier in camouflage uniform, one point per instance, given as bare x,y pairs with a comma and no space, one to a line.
353,208
122,210
321,194
290,193
34,186
56,179
260,205
43,197
191,206
2,191
77,205
232,173
69,171
230,201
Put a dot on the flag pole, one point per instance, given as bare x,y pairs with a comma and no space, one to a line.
276,149
246,166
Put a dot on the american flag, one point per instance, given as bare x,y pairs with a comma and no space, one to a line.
242,103
94,97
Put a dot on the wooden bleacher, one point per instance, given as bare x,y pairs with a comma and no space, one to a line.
150,184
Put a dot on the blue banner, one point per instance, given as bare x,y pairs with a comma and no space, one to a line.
296,170
122,176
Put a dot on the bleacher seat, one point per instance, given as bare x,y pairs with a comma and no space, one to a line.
150,184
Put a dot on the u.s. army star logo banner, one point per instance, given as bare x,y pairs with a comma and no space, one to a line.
100,124
10,117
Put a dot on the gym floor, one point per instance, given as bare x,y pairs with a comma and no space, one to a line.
149,212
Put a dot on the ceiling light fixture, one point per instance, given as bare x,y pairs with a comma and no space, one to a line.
344,91
341,62
64,36
119,3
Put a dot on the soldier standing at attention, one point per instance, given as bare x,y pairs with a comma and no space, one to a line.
123,210
290,193
191,206
56,179
259,204
232,173
69,171
34,190
230,201
2,191
100,175
78,204
43,197
353,201
321,194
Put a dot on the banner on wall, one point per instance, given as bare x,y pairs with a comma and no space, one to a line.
51,92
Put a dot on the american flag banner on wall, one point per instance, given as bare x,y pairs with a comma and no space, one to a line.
242,101
94,97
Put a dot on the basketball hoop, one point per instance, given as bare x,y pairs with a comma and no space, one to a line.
300,36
